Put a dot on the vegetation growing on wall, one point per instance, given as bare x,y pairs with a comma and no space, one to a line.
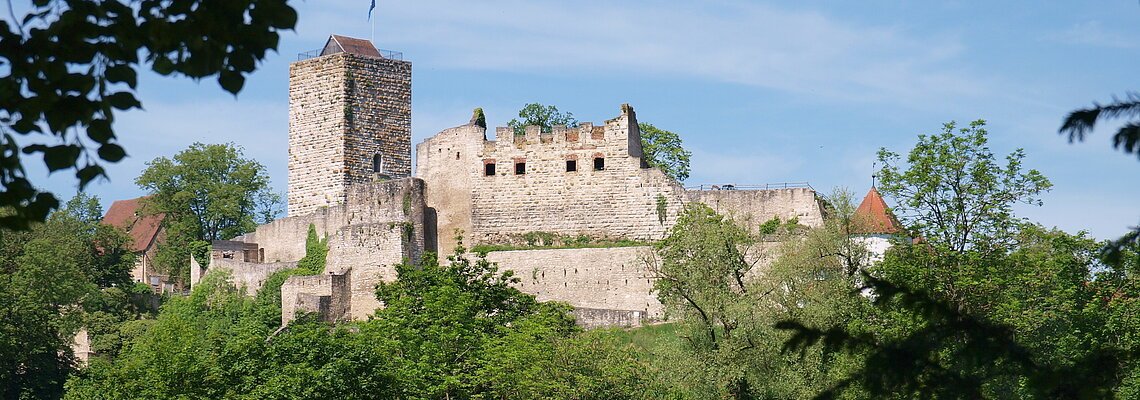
662,208
543,116
316,250
549,240
663,149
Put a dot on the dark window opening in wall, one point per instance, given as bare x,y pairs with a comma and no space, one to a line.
377,163
571,165
599,164
489,169
520,168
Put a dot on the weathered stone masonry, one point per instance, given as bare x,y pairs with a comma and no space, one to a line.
349,122
349,162
532,187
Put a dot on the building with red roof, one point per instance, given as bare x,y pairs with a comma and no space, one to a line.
145,231
876,225
873,217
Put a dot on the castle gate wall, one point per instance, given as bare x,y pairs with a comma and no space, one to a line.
399,201
381,225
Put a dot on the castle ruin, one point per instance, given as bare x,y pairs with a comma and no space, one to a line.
350,177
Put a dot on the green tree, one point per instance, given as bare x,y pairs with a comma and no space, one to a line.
663,149
541,115
50,278
72,64
954,193
705,271
987,305
700,270
207,192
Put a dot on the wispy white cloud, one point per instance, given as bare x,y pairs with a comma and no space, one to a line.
801,52
1093,33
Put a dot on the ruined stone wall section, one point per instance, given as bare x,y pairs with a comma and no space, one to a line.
369,254
248,275
296,286
589,318
449,162
384,202
599,278
344,109
617,201
754,207
327,294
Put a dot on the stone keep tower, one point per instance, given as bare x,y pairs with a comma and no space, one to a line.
350,118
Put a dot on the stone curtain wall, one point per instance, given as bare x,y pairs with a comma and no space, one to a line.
619,201
248,275
343,110
376,203
448,163
380,225
328,294
754,207
601,279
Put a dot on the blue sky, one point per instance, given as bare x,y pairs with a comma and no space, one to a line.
760,91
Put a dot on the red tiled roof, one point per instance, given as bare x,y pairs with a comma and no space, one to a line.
873,217
355,46
127,215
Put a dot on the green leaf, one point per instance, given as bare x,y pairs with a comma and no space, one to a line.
123,73
123,101
89,173
111,152
99,130
60,157
231,81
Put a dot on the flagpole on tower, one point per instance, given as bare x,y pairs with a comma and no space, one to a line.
372,37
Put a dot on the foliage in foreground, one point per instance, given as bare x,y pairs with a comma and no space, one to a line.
62,275
986,305
71,65
447,331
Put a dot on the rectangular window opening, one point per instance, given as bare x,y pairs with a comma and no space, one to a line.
599,164
520,168
489,169
571,165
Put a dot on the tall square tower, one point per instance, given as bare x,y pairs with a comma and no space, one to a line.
350,119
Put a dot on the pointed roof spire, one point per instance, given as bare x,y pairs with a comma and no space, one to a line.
874,217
